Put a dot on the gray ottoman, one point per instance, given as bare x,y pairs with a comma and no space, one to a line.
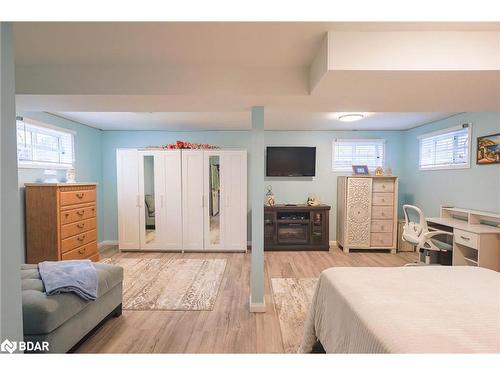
64,320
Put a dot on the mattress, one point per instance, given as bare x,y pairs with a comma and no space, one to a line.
429,309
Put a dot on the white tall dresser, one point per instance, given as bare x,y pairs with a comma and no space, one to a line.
367,212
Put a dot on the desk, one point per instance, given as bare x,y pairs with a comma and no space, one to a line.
474,244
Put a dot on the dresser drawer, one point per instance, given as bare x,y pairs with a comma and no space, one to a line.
382,212
382,185
83,252
465,238
78,240
70,216
382,226
381,239
382,199
79,227
69,198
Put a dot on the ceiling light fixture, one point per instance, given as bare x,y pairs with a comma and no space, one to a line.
350,117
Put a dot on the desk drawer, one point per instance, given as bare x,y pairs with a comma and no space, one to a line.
381,239
78,240
69,230
70,216
69,198
84,252
382,212
382,199
383,185
465,238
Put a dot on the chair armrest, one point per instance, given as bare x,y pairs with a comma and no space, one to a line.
437,232
426,241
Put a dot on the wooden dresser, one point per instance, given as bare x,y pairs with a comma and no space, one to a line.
61,222
367,212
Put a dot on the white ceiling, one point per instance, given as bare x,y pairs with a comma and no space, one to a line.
208,75
256,44
274,120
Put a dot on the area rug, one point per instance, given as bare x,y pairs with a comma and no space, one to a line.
292,298
170,284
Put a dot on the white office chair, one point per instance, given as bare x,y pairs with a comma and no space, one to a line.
419,235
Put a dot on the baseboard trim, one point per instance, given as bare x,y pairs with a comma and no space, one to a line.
332,243
257,307
101,244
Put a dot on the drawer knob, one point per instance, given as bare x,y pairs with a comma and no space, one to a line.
81,238
465,238
81,225
81,212
383,186
80,195
382,227
81,251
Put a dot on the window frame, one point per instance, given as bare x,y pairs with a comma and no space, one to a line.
383,141
445,131
33,164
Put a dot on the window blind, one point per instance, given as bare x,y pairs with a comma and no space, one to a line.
349,152
39,145
445,149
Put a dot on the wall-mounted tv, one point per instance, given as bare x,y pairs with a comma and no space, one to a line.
291,161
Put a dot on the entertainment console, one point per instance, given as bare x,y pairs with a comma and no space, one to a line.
296,227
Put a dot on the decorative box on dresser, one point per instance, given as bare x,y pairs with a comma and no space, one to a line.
367,212
61,221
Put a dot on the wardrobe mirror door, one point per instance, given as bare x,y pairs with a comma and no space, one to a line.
149,199
214,199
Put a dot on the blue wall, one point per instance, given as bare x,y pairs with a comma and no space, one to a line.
88,159
477,187
294,190
324,184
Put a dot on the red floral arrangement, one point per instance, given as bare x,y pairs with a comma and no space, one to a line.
182,145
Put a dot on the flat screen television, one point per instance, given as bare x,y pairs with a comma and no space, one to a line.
291,161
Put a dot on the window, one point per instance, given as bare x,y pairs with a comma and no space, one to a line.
43,146
349,152
445,149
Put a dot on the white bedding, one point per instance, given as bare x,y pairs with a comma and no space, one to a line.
405,310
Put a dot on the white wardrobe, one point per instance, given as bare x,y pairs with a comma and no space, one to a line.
182,200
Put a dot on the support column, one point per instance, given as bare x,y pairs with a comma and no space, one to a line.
11,252
257,302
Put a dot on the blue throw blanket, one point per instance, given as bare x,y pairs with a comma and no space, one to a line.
77,276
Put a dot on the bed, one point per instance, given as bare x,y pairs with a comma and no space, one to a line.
431,309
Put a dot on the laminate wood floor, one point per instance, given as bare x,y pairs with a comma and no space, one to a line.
229,327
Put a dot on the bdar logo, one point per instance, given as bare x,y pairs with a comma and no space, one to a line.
8,346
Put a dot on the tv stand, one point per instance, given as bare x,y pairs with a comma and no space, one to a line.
296,227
